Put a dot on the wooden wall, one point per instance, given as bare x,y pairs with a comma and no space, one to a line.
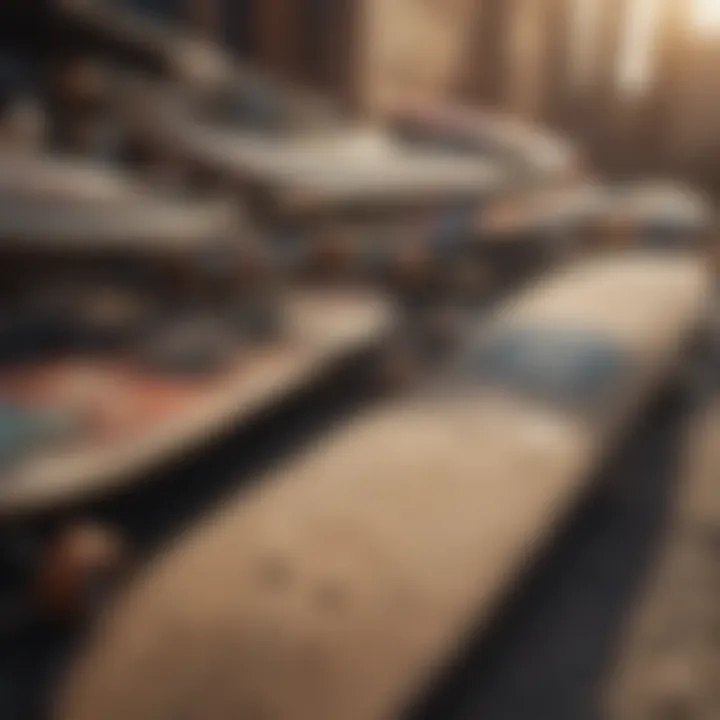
632,80
360,50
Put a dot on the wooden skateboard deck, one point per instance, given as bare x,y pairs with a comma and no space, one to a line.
59,178
532,151
596,216
321,173
356,202
128,418
145,226
338,587
58,202
661,213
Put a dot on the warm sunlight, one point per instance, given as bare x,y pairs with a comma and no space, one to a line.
705,16
635,59
584,41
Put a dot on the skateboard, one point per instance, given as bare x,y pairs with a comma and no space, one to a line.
73,227
341,585
351,205
82,426
590,217
534,153
362,202
349,193
659,214
54,177
354,169
124,416
137,326
357,204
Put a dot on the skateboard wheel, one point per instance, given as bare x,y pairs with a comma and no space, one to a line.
79,570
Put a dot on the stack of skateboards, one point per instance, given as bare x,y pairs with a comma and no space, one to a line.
343,583
165,278
139,320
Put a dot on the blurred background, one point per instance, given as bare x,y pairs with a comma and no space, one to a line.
632,81
622,89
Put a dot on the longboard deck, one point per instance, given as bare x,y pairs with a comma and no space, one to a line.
60,203
532,150
137,419
345,168
335,589
61,178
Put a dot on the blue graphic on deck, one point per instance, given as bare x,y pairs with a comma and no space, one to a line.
566,366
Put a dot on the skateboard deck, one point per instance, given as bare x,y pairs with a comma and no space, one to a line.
339,586
358,203
52,200
60,178
597,215
661,213
532,151
145,226
126,418
350,167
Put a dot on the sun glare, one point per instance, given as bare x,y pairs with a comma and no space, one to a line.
635,59
705,16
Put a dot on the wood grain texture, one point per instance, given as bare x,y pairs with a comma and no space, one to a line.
335,590
410,48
